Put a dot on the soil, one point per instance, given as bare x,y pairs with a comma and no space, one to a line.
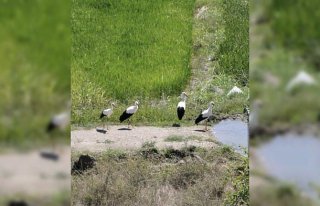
33,174
119,137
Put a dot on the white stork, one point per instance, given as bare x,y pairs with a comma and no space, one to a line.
181,108
302,78
59,121
234,90
129,112
107,113
205,115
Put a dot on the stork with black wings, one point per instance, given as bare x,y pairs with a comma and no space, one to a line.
129,112
106,113
204,115
181,108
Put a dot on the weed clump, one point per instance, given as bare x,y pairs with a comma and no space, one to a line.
172,153
149,151
84,163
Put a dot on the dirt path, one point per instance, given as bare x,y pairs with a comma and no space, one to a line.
118,137
30,174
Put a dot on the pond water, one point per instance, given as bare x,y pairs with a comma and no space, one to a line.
233,133
294,159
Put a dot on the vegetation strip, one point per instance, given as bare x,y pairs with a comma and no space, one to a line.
105,70
150,176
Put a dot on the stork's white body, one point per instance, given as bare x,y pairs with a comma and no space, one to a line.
129,112
205,115
107,112
181,108
302,78
234,90
60,121
132,109
182,104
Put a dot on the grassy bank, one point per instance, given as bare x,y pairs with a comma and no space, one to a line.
59,199
149,54
279,194
277,57
35,75
164,177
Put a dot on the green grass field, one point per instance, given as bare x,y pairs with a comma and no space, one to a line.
35,74
234,50
295,26
130,48
148,52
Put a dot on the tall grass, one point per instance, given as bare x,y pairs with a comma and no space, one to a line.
130,48
294,23
35,77
234,50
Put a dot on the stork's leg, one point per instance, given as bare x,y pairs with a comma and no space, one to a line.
53,144
206,129
128,123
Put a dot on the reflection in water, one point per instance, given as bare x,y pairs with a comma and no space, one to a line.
233,133
294,159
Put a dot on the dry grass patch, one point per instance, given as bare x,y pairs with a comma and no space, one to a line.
121,178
